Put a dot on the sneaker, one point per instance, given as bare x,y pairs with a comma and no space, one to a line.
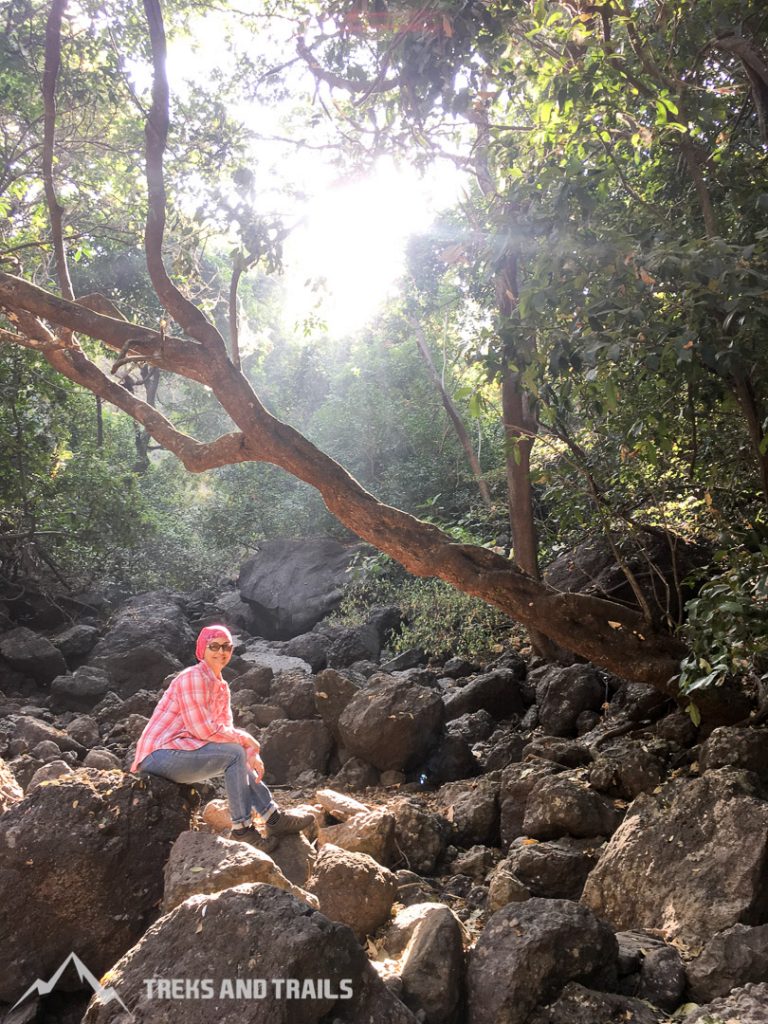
283,823
251,835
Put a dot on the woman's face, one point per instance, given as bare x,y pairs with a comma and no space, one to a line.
216,660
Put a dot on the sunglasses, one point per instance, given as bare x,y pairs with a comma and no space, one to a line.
216,647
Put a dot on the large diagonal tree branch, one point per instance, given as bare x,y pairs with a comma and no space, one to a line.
165,351
74,364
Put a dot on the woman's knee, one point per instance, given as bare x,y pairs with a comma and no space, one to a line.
234,752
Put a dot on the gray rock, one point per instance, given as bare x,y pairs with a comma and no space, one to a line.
290,748
270,935
472,727
473,809
579,1005
451,759
82,690
626,770
32,654
562,694
667,867
420,835
498,692
147,639
742,1006
81,865
355,774
203,863
84,729
730,959
256,679
26,732
76,641
262,654
102,759
309,647
369,831
566,806
518,781
291,584
351,644
732,746
433,968
391,724
333,691
528,952
295,693
650,969
353,889
49,772
557,870
411,658
568,753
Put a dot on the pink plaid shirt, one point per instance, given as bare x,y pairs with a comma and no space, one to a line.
193,711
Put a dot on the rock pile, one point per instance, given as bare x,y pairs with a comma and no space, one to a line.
500,844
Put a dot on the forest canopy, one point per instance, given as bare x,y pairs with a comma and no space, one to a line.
575,350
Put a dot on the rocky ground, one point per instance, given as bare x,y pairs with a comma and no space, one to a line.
502,844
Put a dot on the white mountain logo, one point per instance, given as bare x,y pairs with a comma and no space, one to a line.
42,988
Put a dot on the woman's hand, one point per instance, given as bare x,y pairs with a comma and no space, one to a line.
255,763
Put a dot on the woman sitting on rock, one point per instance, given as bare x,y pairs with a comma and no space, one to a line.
191,738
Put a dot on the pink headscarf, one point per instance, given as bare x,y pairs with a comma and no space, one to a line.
209,633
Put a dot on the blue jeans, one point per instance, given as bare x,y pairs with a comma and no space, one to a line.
244,793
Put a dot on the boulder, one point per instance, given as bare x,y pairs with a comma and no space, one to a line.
238,614
626,770
148,638
293,583
657,559
579,1005
655,973
82,690
10,791
473,809
472,727
557,870
23,733
742,1006
432,969
289,749
518,781
294,692
669,868
84,730
309,647
505,887
353,889
77,641
451,759
736,747
102,759
339,805
391,723
498,692
81,862
355,774
730,959
48,773
333,691
562,694
371,832
349,644
420,835
273,941
526,954
113,709
256,680
568,753
32,654
565,805
204,863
